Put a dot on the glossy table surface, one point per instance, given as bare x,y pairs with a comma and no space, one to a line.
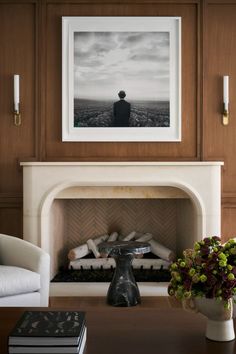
156,326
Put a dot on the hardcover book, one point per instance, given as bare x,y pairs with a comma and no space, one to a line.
53,328
77,349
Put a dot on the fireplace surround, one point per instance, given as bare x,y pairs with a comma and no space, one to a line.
195,186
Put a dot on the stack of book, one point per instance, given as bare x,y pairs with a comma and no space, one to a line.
49,332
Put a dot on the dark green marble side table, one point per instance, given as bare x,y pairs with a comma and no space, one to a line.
123,290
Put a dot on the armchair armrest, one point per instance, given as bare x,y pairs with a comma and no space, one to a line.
20,253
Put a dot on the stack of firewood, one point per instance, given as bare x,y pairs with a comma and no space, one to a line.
99,260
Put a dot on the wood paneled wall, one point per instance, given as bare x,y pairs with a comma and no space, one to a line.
219,143
30,44
18,46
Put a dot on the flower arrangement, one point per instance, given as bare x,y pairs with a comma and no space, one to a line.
208,270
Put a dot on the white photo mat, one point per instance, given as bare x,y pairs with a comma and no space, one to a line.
71,25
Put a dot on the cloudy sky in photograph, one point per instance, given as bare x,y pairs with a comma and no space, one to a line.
107,62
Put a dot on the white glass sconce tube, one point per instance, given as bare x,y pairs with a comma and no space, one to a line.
225,100
17,115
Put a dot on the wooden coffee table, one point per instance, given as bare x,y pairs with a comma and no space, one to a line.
155,327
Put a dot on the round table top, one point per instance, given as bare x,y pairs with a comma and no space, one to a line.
124,247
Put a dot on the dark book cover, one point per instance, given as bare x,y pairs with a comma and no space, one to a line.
46,327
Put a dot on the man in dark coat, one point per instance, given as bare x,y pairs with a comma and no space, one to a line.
121,111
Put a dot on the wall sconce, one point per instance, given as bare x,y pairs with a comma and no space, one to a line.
17,115
225,120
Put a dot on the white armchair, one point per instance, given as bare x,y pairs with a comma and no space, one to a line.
24,273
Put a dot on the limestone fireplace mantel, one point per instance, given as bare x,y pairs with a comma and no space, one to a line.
46,181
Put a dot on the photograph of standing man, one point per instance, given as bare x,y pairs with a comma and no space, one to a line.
121,111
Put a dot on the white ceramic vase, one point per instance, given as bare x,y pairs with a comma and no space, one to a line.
220,326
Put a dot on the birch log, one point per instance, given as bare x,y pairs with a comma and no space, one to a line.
78,252
92,247
113,237
161,251
82,250
130,236
145,238
100,239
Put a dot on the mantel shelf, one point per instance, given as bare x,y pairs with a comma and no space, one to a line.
121,163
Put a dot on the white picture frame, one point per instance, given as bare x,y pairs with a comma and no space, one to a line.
78,27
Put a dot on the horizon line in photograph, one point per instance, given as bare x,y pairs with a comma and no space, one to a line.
88,99
109,96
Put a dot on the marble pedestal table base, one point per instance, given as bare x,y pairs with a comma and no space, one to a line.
123,290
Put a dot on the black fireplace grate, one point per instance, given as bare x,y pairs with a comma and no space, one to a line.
105,275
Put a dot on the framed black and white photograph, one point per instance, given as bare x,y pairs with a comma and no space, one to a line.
121,79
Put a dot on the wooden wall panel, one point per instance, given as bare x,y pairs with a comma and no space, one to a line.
219,141
55,149
11,214
17,45
228,221
11,221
